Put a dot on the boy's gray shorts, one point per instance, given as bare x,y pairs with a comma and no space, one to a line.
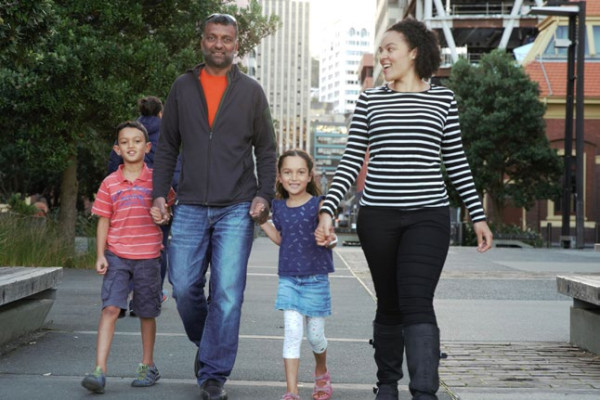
145,275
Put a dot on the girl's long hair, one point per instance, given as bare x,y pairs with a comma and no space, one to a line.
311,187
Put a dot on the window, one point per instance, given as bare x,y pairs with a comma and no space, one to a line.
562,32
596,40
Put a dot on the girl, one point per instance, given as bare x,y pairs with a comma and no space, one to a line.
303,291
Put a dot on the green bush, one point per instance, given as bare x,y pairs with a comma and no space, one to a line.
18,205
35,241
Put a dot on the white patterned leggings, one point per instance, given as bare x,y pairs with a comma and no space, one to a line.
294,329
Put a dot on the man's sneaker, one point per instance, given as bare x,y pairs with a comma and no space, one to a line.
212,389
146,375
165,295
95,381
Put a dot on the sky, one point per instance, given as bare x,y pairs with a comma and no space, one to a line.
325,12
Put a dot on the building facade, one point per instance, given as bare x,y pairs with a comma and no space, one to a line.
281,63
546,63
330,137
340,56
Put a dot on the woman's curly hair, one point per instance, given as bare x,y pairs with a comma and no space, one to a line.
417,35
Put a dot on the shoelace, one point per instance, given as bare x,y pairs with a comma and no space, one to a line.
142,371
97,372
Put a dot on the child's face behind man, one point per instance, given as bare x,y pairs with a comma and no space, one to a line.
132,145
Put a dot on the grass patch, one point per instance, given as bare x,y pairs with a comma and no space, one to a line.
36,242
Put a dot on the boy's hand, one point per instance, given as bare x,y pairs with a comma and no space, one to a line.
157,216
160,211
101,265
259,210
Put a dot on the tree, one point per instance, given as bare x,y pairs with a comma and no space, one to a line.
503,133
72,70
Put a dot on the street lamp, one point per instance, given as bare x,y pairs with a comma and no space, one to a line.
575,10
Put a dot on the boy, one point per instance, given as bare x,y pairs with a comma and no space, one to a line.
128,247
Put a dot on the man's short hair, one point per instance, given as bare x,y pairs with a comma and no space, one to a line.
223,19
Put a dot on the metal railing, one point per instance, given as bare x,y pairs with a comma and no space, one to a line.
487,8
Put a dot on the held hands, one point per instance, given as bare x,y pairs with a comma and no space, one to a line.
259,210
160,211
324,234
484,236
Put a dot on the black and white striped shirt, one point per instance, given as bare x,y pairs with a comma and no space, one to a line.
408,136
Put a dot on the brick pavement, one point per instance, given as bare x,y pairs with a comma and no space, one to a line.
540,365
501,365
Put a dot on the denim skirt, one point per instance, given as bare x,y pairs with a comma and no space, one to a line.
309,295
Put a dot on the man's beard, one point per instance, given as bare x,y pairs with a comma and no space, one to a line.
223,62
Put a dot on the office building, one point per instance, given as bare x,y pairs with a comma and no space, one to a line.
281,63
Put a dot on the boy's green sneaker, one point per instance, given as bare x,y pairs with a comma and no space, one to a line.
146,375
95,381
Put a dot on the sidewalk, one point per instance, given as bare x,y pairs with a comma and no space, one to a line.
504,328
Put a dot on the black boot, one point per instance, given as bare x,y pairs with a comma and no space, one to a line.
422,342
389,351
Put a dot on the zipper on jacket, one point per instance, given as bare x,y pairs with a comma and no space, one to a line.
210,135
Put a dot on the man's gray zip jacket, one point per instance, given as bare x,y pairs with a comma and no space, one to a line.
217,163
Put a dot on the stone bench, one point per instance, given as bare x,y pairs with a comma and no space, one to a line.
515,240
26,296
585,313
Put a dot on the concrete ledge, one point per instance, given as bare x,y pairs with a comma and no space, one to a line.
584,328
597,247
581,287
511,243
24,316
20,282
26,297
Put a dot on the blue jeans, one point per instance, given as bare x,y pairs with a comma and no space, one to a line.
219,238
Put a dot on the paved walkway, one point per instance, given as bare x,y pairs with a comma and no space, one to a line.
504,328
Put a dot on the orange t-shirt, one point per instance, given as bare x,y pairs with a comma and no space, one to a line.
214,87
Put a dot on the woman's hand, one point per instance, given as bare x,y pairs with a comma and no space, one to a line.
324,233
484,236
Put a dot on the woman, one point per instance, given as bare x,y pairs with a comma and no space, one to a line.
410,128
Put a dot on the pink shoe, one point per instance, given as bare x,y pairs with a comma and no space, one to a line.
324,391
290,396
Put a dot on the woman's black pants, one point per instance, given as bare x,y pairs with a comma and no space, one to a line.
406,251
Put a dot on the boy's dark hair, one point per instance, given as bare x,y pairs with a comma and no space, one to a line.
133,124
311,187
426,41
150,106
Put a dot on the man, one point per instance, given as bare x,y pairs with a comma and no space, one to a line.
219,118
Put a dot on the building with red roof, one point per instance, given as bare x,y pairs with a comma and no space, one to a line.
546,64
